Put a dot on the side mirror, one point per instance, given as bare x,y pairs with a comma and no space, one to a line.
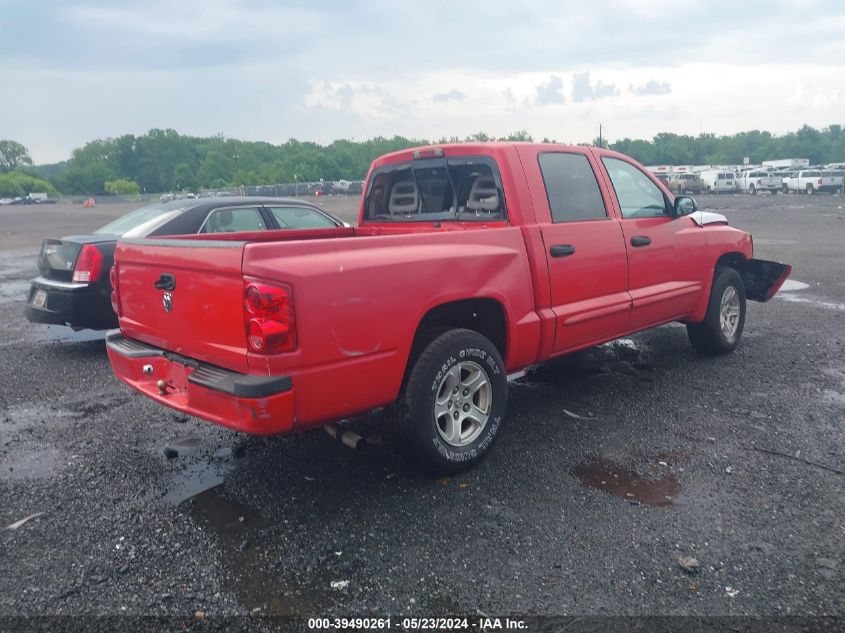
684,205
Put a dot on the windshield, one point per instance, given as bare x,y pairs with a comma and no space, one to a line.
438,189
140,222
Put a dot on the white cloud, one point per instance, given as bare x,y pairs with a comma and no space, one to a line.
651,87
550,92
265,70
584,90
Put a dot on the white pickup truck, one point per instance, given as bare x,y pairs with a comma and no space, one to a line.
810,181
755,180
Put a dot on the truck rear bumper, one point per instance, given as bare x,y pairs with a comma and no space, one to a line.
260,405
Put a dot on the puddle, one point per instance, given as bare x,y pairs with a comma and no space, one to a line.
828,305
833,397
792,284
13,291
185,445
29,464
621,482
242,535
197,478
19,264
18,418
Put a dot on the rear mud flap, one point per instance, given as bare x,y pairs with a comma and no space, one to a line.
763,278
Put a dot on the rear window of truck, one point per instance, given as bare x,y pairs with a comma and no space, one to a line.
464,189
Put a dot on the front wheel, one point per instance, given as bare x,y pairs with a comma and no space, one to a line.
721,329
452,406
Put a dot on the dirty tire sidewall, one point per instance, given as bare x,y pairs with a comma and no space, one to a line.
418,425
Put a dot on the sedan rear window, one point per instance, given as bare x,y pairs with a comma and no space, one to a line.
141,222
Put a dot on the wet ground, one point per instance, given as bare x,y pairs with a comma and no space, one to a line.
615,463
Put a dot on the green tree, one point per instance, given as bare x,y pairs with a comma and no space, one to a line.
215,167
183,177
86,179
16,184
518,136
122,187
13,156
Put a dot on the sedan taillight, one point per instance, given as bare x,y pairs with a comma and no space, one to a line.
89,264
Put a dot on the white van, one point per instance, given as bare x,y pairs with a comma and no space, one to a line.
718,181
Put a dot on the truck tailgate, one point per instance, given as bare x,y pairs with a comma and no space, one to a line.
185,296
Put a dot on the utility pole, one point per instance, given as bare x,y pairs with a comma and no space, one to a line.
237,170
601,144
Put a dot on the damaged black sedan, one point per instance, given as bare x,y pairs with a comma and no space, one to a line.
73,286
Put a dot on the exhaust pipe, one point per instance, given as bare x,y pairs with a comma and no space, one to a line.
350,438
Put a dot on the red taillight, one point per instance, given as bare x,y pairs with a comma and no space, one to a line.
268,311
819,181
115,302
89,265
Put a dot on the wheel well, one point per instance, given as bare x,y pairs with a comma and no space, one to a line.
485,316
732,260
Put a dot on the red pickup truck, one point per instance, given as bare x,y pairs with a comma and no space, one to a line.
470,263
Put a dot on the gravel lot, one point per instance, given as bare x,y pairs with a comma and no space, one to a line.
614,464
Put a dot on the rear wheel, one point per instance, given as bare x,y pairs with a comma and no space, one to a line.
721,329
809,190
453,403
753,190
785,188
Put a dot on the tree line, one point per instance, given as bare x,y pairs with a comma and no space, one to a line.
164,160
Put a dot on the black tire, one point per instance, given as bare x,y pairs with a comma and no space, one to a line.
707,337
774,192
753,190
785,188
809,190
412,424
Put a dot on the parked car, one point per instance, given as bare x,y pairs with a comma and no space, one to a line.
73,286
685,183
471,263
718,181
755,180
809,181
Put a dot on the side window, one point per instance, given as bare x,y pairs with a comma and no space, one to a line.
571,187
300,218
233,220
638,196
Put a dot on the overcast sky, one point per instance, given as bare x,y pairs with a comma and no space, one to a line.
73,71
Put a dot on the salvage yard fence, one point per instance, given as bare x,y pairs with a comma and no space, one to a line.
279,190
